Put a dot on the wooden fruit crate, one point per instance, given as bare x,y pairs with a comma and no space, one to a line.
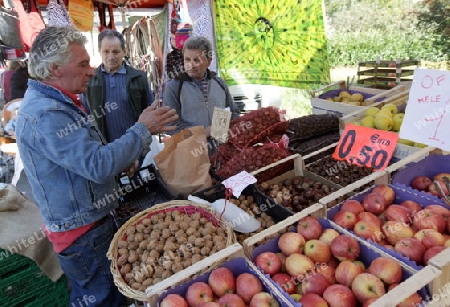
322,106
155,291
400,99
231,257
415,157
298,170
427,278
442,284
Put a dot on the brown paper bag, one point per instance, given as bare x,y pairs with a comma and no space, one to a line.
184,162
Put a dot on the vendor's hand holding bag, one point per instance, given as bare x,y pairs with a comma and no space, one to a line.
9,28
184,163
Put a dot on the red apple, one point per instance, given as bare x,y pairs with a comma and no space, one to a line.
291,242
345,219
316,283
369,301
352,205
263,299
334,262
328,235
339,296
444,212
374,203
413,300
395,231
398,213
421,183
199,292
368,216
231,300
248,285
282,258
345,247
298,265
174,300
387,192
309,227
346,271
428,219
430,238
313,300
411,248
431,252
360,263
368,231
366,286
386,269
412,205
212,304
285,281
222,281
318,251
329,273
268,262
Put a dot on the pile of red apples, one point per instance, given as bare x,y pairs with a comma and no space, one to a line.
223,289
321,267
430,185
416,232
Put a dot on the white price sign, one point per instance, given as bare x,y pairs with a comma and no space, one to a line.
239,182
427,115
220,124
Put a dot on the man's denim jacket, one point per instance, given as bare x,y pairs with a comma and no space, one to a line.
70,168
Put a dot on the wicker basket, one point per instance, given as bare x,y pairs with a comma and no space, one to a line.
182,206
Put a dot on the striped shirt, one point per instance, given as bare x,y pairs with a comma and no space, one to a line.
122,117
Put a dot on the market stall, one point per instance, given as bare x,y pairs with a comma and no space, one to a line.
288,211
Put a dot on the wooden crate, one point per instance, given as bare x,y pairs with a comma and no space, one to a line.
316,210
442,284
427,277
323,106
154,292
401,150
298,170
415,157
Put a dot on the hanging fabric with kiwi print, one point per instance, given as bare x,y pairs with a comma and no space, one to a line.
276,42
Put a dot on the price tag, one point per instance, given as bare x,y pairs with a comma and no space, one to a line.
220,124
366,146
239,182
427,114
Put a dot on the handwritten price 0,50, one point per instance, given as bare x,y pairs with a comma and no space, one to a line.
368,156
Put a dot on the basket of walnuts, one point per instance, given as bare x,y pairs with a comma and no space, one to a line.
162,241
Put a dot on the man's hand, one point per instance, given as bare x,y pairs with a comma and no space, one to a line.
131,169
157,120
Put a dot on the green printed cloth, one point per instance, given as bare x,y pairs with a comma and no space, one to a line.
276,42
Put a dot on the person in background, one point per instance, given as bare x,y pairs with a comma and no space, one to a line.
12,66
19,81
117,93
195,92
115,84
71,167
